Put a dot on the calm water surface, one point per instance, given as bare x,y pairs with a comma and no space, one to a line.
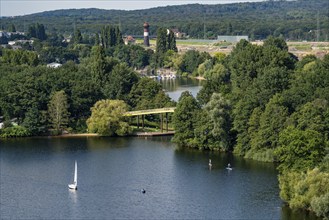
175,87
112,171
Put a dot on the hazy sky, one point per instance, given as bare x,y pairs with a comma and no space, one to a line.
25,7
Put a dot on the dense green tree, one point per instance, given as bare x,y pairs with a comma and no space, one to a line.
185,118
134,55
148,94
107,118
192,59
276,42
314,116
271,122
300,150
58,111
19,57
119,82
35,121
218,80
306,190
110,36
37,31
98,64
171,41
218,110
161,41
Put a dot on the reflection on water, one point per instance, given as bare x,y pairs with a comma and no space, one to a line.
174,87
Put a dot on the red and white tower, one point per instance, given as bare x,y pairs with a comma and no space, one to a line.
146,34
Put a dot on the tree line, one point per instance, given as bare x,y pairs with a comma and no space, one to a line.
44,99
262,103
293,20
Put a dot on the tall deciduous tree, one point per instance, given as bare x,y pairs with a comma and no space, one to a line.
107,118
219,113
171,41
185,118
58,111
98,64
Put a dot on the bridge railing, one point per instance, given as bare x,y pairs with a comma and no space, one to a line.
150,111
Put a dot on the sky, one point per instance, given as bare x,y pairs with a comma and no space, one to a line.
25,7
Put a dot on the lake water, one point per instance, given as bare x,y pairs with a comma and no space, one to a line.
175,87
112,171
35,172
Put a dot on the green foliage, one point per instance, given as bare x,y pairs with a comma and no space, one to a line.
107,118
161,42
185,118
276,42
20,57
148,94
165,42
299,150
191,61
308,190
58,111
133,55
98,64
119,83
14,131
218,110
271,123
110,36
171,41
35,121
320,204
37,31
218,80
264,155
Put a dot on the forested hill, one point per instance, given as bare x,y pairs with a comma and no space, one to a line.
295,20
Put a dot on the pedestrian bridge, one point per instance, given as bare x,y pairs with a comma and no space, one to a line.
160,111
150,111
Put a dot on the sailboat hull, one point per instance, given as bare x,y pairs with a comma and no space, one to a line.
73,186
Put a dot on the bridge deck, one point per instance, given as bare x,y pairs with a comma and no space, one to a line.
150,111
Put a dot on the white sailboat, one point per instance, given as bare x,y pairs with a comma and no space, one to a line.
74,185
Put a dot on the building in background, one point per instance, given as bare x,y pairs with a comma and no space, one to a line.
129,40
232,39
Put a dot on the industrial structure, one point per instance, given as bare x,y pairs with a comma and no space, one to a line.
146,34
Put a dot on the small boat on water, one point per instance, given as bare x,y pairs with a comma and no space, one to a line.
74,185
229,167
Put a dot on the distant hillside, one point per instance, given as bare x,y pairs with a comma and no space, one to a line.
295,20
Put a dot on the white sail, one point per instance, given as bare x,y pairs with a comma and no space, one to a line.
75,180
76,174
